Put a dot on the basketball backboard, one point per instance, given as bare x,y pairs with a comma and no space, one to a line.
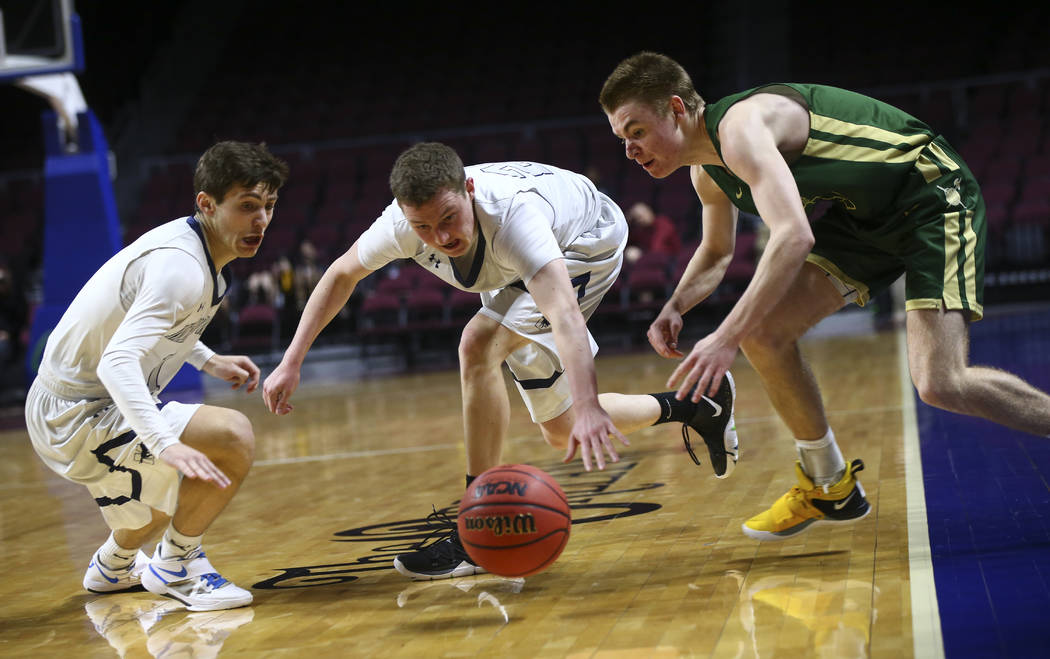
39,37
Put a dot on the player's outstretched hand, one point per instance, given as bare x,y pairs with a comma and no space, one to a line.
279,387
236,369
194,464
704,368
663,333
593,432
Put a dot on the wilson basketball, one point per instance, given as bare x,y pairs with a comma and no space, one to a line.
514,520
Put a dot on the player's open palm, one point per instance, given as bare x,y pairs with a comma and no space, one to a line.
279,387
191,463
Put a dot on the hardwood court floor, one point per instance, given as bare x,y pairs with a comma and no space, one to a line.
656,565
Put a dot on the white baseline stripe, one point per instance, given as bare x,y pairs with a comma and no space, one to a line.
374,453
925,616
357,454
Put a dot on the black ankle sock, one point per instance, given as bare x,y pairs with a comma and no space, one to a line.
470,479
678,411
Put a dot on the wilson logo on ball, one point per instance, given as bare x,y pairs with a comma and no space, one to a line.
498,525
514,520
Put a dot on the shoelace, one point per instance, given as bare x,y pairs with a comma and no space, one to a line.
689,446
443,529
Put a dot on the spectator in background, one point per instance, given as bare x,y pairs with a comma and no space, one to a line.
650,232
307,273
261,288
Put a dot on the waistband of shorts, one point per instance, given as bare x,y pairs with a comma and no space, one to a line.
67,391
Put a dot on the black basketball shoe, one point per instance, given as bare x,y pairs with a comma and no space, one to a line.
717,428
440,555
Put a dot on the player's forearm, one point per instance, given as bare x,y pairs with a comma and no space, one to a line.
574,348
328,297
779,266
701,277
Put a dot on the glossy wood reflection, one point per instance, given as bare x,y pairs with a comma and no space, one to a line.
656,565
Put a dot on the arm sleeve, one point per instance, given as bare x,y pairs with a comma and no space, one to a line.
161,287
388,239
526,241
200,355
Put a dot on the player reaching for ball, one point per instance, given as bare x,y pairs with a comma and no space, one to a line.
92,411
900,201
542,245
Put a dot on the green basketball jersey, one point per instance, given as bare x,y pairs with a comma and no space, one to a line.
860,154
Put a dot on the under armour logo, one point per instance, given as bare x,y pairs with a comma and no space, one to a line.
434,260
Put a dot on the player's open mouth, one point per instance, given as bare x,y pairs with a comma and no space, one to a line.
451,247
647,165
252,241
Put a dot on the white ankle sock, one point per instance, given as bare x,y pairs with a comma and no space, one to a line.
821,459
175,544
114,556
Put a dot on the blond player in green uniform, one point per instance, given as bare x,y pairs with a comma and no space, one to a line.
901,202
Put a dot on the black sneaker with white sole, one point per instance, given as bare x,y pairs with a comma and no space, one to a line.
716,425
439,556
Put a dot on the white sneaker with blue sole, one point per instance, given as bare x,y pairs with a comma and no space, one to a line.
100,579
193,581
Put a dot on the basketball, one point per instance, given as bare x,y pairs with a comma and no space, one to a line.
514,520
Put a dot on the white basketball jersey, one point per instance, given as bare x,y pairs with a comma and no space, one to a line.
140,316
528,215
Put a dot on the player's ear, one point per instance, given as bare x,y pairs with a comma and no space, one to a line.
470,187
677,106
206,203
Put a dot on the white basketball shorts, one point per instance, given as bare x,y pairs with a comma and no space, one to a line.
89,442
593,262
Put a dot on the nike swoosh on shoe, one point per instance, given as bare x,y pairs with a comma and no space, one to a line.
839,505
104,575
718,408
180,573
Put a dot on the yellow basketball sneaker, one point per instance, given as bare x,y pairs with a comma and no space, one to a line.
807,505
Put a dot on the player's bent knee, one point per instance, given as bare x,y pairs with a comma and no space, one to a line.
556,432
937,391
764,341
242,436
557,440
474,347
229,436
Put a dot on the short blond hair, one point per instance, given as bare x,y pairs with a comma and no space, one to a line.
652,79
425,169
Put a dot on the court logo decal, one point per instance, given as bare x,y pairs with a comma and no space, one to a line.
587,493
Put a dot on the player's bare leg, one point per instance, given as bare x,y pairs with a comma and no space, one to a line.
938,355
484,346
179,568
827,491
629,412
774,352
226,437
